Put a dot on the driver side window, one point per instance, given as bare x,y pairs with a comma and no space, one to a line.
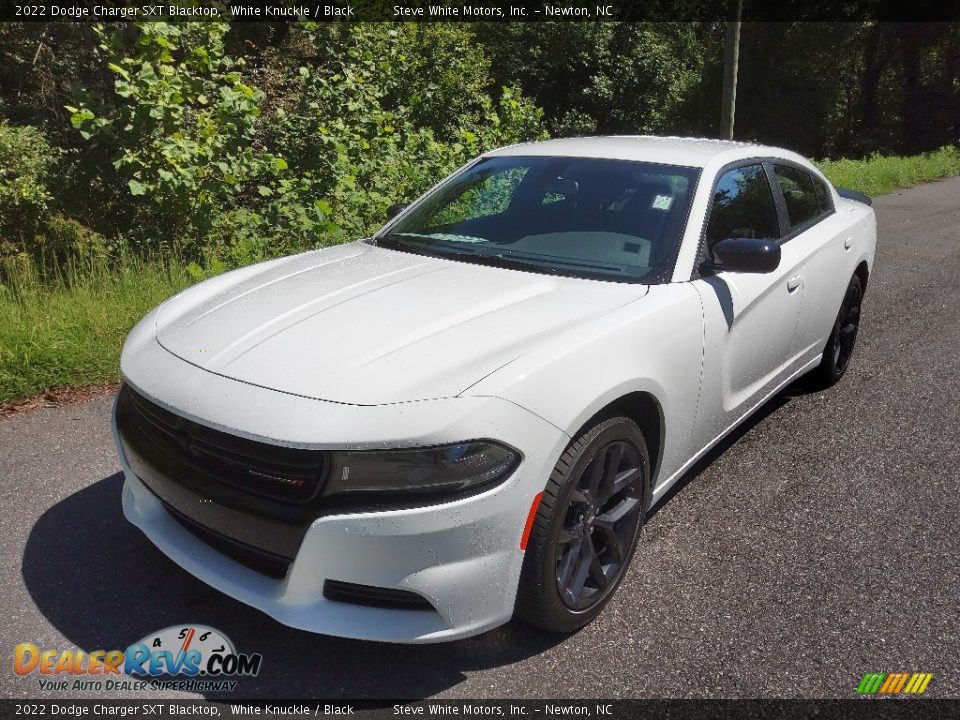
743,207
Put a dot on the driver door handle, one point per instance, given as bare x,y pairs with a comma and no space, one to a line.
793,283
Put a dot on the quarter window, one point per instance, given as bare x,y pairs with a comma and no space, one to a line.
821,196
743,207
805,201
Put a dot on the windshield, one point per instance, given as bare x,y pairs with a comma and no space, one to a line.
587,217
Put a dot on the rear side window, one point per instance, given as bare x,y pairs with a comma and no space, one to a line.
743,207
804,195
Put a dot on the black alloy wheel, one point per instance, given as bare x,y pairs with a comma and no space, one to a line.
839,349
599,524
586,527
846,326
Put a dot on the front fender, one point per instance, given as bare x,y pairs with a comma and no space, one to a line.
652,345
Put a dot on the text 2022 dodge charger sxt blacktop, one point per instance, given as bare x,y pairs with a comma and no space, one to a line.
416,436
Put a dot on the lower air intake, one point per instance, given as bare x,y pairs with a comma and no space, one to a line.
370,596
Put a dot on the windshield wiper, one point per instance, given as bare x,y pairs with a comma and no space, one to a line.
415,244
508,261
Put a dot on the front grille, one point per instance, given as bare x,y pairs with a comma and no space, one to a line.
289,475
388,598
262,561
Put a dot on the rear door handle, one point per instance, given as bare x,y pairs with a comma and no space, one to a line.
793,283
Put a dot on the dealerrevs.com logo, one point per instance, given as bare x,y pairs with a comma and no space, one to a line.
204,658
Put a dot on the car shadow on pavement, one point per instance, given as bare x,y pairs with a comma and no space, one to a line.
772,405
103,585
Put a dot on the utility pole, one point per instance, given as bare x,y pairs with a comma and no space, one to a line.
731,57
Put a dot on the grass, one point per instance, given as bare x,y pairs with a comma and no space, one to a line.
69,331
882,174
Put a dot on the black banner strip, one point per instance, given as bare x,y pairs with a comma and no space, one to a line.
855,709
280,11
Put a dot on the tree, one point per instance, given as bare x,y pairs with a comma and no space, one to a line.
181,122
731,57
603,77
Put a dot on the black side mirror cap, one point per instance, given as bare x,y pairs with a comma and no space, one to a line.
752,255
396,209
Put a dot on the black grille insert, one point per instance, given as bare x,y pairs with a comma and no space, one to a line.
261,561
389,598
289,475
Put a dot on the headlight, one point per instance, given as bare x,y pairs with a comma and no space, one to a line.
445,468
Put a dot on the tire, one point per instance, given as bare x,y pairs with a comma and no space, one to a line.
575,539
839,349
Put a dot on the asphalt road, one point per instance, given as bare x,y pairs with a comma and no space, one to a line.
822,542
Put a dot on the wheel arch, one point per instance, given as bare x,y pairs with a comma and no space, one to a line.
862,272
646,411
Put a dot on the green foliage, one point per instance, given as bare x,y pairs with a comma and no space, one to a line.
440,73
182,124
368,114
63,242
289,214
26,159
879,175
357,130
600,77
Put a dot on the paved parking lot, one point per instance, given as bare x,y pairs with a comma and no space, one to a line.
819,543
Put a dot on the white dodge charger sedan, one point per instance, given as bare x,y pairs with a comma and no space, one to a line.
465,418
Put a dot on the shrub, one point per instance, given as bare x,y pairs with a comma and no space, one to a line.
182,125
362,116
361,138
64,242
26,159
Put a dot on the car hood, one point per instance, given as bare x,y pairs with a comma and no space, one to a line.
365,325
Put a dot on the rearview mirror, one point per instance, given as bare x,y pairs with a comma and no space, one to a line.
396,209
752,255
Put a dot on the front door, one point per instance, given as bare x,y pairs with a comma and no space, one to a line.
750,318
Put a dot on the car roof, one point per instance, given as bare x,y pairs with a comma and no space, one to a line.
686,151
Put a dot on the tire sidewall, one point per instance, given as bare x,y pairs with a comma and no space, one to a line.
618,428
831,372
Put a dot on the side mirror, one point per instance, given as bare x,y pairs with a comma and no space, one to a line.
396,209
751,255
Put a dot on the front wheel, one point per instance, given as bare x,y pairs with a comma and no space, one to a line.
586,527
839,349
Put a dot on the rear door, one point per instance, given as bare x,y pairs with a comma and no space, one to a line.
816,233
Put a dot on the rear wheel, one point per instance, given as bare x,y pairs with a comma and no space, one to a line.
839,349
586,527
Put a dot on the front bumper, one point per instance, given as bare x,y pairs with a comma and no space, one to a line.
463,556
